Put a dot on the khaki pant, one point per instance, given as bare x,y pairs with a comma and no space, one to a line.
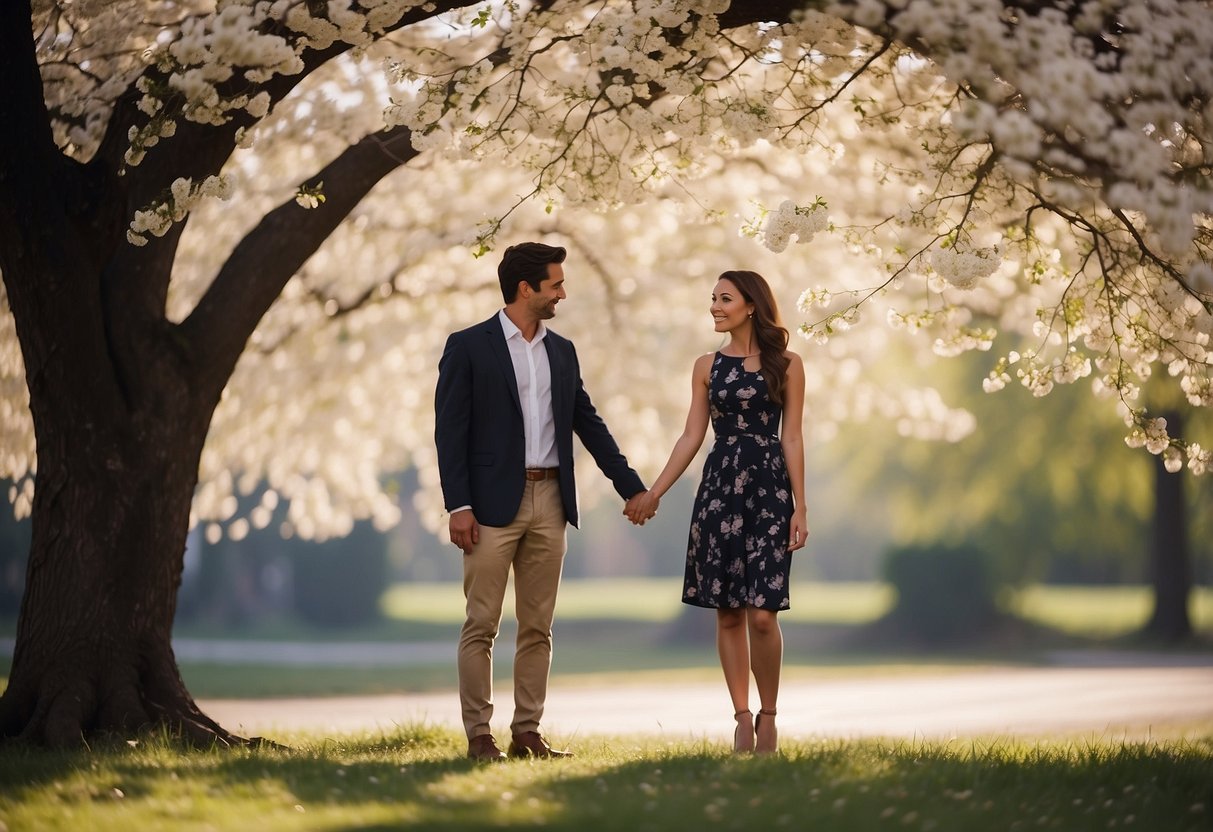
534,545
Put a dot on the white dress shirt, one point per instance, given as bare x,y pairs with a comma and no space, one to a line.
533,372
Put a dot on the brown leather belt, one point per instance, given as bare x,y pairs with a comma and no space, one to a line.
536,474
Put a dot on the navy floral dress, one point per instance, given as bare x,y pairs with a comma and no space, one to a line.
737,555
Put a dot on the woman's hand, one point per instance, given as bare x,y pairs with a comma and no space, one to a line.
798,531
641,507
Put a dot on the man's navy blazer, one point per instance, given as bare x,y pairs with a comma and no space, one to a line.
478,426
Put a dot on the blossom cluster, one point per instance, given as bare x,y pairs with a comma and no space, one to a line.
214,64
1151,433
605,109
963,268
839,320
1039,376
1049,89
184,195
817,296
791,220
832,324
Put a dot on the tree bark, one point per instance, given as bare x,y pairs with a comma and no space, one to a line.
1170,560
111,511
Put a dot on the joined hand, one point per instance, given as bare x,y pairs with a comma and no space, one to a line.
641,507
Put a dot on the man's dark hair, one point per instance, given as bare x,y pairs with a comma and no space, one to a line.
526,261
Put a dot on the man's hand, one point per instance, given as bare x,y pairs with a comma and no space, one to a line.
465,531
641,507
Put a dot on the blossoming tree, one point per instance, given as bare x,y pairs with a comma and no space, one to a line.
1048,171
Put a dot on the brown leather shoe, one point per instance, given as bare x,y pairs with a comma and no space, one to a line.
483,748
532,744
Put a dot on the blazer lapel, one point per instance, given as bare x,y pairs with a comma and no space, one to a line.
556,361
497,345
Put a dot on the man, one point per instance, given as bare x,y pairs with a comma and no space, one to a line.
508,401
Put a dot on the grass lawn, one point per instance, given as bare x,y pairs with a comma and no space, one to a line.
416,778
1088,611
643,599
1102,611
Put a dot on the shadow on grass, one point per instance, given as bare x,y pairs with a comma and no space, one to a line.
836,786
416,778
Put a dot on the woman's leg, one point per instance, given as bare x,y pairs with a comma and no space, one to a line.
766,661
766,654
734,651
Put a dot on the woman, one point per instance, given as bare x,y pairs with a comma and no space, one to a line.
749,512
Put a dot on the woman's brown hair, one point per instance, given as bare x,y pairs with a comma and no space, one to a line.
769,331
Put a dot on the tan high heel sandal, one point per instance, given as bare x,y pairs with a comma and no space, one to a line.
743,734
771,744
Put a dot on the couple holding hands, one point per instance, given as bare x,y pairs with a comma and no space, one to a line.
508,401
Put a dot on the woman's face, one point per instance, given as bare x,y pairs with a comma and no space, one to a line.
729,307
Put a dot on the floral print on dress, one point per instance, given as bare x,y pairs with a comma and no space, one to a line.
737,550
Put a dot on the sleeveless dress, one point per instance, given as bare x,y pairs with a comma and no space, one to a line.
737,553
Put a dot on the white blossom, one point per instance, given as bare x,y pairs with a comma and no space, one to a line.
1044,141
963,268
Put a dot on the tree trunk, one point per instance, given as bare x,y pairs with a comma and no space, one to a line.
111,513
1170,561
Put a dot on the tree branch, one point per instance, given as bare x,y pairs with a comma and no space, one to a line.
199,150
269,255
196,151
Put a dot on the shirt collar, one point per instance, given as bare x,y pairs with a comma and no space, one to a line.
511,329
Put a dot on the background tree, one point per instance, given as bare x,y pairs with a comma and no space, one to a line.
1046,488
1042,486
157,356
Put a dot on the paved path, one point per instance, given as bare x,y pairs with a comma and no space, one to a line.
1103,693
1100,701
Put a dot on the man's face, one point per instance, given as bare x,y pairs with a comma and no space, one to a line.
542,303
